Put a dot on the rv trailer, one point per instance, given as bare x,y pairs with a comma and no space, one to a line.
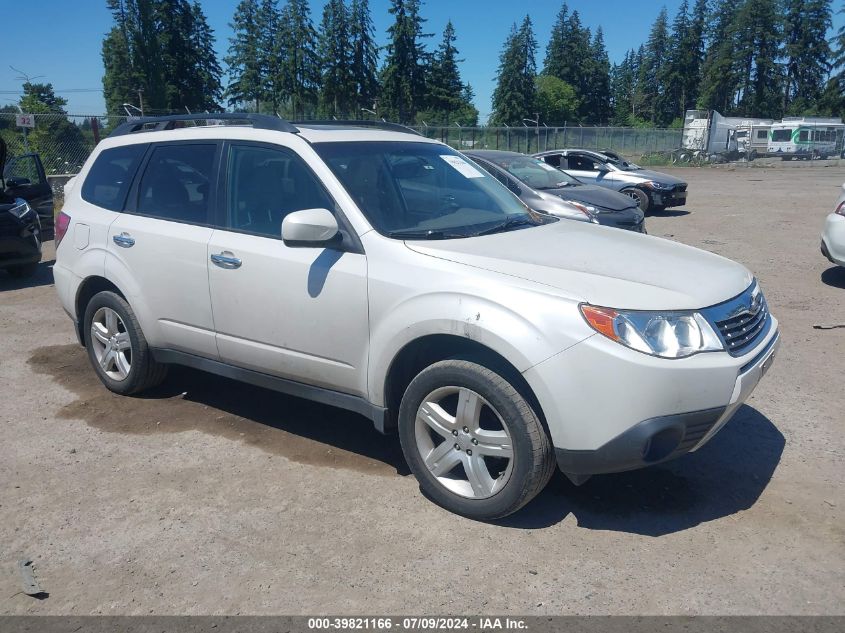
806,138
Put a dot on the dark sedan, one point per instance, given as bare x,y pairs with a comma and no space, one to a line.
539,185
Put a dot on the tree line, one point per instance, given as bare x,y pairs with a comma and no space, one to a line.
279,62
761,58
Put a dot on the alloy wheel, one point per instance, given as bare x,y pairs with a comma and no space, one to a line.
464,442
111,343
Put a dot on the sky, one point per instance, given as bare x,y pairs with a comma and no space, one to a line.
66,51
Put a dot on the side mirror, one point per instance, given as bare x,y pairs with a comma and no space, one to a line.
602,168
310,228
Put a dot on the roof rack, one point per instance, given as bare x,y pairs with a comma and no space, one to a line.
381,125
168,122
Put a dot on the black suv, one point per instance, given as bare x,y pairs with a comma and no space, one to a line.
26,212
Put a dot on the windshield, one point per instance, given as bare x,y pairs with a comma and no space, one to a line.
418,190
535,173
779,136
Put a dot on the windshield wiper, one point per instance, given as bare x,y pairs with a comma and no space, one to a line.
424,234
520,220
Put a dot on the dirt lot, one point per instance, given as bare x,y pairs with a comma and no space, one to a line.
212,497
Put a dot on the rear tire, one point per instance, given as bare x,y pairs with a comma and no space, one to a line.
642,198
455,408
117,348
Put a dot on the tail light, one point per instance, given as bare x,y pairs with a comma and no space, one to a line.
840,210
61,227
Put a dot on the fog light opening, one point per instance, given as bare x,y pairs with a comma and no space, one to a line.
661,444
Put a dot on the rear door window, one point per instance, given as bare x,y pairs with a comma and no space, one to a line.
109,178
177,183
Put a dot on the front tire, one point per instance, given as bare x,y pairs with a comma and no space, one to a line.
117,348
474,443
641,197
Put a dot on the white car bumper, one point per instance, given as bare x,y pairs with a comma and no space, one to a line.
610,408
833,239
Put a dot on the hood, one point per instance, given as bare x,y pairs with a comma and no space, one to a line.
647,174
594,195
601,265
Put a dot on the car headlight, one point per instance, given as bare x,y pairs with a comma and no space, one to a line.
656,185
20,210
676,334
588,210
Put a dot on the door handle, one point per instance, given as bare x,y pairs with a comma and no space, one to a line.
124,240
226,260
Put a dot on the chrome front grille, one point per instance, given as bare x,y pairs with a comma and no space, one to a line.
742,321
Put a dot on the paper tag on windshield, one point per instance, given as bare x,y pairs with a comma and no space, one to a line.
467,170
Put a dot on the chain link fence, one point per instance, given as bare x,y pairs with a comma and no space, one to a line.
65,141
629,142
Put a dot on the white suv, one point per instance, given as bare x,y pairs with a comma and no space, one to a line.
383,272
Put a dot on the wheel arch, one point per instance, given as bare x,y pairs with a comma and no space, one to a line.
87,289
426,350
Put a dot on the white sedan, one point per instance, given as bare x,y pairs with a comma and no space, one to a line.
833,237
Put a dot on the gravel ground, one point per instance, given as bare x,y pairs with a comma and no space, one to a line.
211,497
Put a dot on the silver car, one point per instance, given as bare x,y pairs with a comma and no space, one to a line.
653,190
833,237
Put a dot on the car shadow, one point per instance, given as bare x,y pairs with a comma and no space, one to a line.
43,277
320,426
725,476
834,276
667,213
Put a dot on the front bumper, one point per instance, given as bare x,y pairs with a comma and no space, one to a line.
833,239
19,241
671,198
611,409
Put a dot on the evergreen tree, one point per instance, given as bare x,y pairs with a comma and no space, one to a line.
719,82
652,71
186,45
673,101
118,84
246,66
403,75
364,55
622,84
163,48
446,93
807,53
597,97
515,94
298,66
833,98
337,96
557,63
270,49
695,60
206,87
759,32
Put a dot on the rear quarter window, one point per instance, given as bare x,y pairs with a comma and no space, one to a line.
109,178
